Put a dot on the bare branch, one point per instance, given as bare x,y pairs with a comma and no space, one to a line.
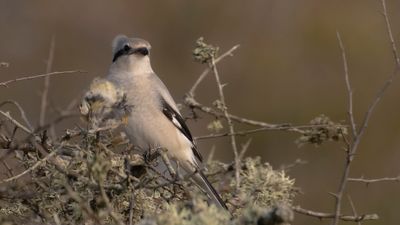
6,83
230,123
15,122
36,165
369,181
284,127
208,70
348,86
192,103
354,146
353,208
21,111
390,33
45,92
322,215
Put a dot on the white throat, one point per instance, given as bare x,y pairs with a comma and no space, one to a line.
133,65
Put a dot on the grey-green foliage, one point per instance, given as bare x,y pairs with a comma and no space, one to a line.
173,203
264,186
261,189
322,129
204,52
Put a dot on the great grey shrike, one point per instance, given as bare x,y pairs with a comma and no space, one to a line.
154,120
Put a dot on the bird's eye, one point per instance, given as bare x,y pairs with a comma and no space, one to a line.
127,47
142,51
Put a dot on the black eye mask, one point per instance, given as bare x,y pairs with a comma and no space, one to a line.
127,50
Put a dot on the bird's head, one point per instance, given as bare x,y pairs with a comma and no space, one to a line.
131,53
135,48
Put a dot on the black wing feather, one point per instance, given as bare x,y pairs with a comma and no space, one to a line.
175,118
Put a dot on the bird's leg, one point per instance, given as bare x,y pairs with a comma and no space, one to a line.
168,164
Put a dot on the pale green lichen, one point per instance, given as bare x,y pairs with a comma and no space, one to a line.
215,126
265,186
322,129
204,52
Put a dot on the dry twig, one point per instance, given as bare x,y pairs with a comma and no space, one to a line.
348,86
21,111
45,92
15,122
192,103
208,70
352,149
224,109
369,181
7,83
353,208
321,215
36,165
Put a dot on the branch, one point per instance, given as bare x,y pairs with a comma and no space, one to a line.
348,86
322,215
208,70
352,150
353,208
224,109
283,127
37,164
45,92
21,111
390,33
369,181
6,83
192,103
15,122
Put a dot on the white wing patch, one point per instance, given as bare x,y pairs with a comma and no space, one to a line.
176,122
179,123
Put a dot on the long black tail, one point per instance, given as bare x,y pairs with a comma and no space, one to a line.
202,180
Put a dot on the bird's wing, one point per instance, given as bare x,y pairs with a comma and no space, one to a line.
179,123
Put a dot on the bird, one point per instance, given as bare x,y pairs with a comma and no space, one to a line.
154,120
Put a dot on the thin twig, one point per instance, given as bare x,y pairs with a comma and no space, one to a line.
322,215
9,169
7,83
208,70
245,147
390,33
49,65
348,86
298,129
354,146
36,165
21,111
229,121
369,181
353,208
15,122
192,103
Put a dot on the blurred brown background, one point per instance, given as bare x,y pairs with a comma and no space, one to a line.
288,69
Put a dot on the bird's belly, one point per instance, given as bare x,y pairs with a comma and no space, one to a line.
147,131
